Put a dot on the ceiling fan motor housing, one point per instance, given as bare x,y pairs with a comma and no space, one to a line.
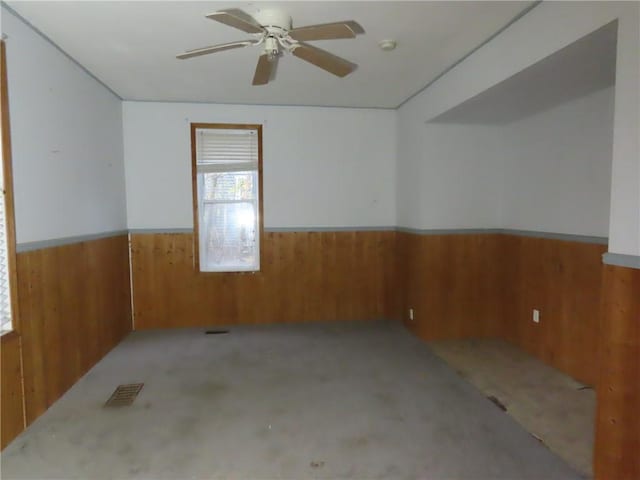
273,17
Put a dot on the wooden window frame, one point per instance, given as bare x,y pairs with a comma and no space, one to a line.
8,192
194,189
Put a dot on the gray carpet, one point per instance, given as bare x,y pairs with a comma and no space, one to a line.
339,400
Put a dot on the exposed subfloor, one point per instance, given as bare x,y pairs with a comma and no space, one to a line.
554,407
359,400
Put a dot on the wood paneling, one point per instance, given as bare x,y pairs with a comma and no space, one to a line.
617,449
393,280
12,404
305,276
75,306
452,282
562,279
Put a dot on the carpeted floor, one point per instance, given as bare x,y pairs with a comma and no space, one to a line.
335,400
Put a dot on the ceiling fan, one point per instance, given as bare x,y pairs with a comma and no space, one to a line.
273,31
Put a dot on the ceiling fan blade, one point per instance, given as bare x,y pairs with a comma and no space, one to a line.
215,48
327,31
325,60
237,18
264,70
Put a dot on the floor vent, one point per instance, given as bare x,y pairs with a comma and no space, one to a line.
124,395
498,403
216,332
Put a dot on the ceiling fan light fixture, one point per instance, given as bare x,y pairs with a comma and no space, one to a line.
271,48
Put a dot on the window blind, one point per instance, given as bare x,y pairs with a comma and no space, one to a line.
226,150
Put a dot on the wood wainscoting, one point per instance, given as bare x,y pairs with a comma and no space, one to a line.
562,279
305,276
12,407
453,283
74,307
618,417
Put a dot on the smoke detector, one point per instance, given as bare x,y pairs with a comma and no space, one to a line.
387,45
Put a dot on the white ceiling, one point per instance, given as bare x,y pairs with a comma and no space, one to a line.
131,47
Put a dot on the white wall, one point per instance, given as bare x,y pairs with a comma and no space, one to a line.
449,175
66,128
557,168
522,45
548,172
323,167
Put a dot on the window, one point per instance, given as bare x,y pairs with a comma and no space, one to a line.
5,292
227,184
7,238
